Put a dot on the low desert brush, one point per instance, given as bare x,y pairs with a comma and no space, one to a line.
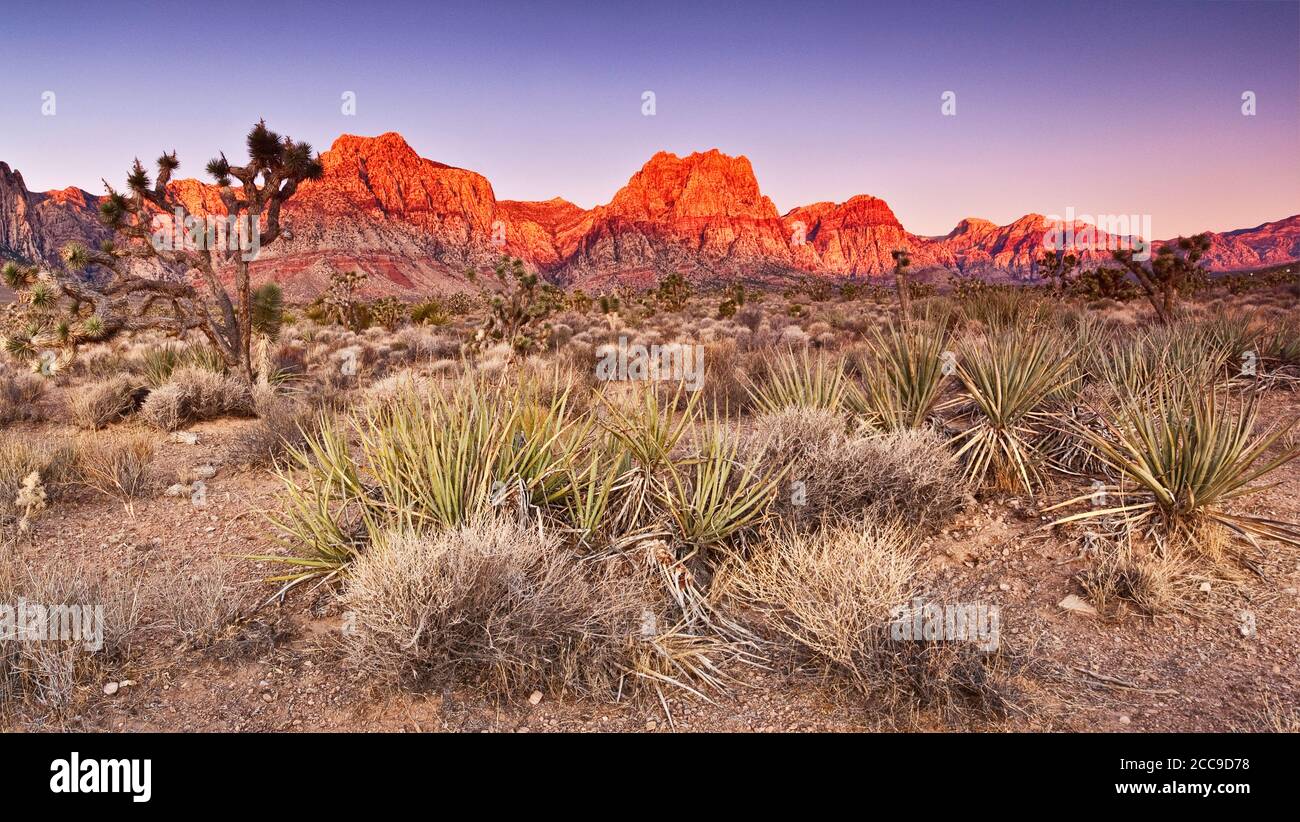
834,475
117,467
100,403
494,604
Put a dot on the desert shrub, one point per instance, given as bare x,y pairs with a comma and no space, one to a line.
1104,283
389,312
195,394
751,316
831,594
47,677
204,357
831,599
19,397
116,466
285,362
106,401
519,311
283,423
1154,579
439,460
19,458
341,303
726,375
999,308
493,604
834,475
158,362
430,312
204,605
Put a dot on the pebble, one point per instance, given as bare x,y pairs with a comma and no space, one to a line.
110,688
535,697
1124,719
185,437
203,472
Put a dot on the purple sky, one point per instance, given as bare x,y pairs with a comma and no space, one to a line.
1125,107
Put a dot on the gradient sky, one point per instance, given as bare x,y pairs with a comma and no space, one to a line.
1125,107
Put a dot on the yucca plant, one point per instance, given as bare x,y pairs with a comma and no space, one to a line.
592,493
714,495
202,355
423,463
903,378
651,429
268,310
1182,456
1007,380
324,508
1187,354
802,380
159,362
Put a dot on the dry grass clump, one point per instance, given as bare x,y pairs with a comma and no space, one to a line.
1155,582
831,599
206,609
105,401
117,467
830,594
19,458
493,603
283,423
49,676
20,395
194,394
908,473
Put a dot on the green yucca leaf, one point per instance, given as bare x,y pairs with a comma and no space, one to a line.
92,327
18,346
1187,453
651,430
42,295
75,256
800,380
903,378
1007,380
716,495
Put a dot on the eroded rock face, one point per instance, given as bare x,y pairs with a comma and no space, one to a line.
856,237
415,226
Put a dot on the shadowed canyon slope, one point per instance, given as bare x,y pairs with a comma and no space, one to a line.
415,226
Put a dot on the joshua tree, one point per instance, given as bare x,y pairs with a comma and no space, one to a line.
1058,269
902,262
1174,271
153,225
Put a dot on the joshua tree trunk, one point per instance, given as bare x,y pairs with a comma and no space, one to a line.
903,261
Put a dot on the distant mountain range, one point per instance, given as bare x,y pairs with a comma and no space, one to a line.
414,226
